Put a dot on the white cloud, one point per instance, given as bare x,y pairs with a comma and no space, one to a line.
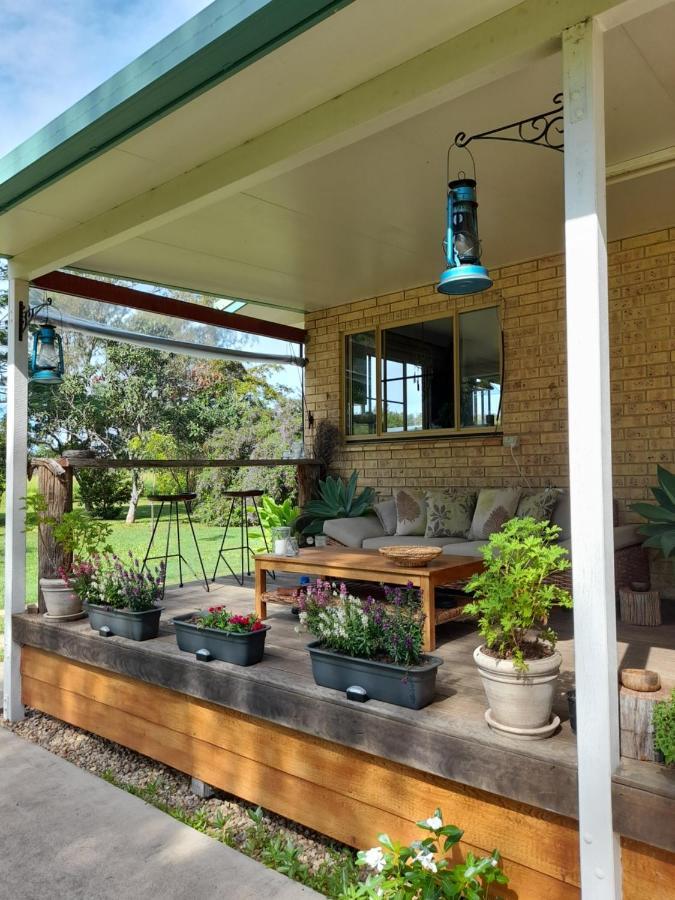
53,53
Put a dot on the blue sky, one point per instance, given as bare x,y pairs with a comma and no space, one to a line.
53,52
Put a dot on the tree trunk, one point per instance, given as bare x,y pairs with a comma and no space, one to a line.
136,486
56,486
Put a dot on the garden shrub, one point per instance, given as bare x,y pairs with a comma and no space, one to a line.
103,491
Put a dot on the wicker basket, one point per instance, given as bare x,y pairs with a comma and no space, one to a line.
410,556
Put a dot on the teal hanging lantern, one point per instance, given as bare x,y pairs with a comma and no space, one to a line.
47,356
464,273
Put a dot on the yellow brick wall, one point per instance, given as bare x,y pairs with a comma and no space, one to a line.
531,296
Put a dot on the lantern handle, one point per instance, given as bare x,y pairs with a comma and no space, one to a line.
460,173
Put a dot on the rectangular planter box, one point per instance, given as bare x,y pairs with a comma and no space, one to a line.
137,626
239,649
409,686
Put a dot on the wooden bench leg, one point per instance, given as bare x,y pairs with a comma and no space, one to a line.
429,607
260,588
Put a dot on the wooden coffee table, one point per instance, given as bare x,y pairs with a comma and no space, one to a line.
369,565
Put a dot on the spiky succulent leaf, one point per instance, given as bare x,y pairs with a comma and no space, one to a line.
666,482
660,526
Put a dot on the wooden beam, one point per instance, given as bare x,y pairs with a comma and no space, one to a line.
15,493
96,462
502,44
590,457
119,295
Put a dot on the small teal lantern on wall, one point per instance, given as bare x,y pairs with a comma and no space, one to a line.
464,273
46,363
46,358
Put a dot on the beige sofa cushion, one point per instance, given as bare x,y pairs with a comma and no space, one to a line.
352,532
411,512
464,548
494,507
449,512
407,540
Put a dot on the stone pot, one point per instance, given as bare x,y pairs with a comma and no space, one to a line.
60,599
520,702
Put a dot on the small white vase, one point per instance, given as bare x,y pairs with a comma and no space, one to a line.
520,702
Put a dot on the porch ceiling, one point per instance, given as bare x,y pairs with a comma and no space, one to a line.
367,218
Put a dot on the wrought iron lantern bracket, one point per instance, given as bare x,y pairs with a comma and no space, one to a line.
27,314
542,130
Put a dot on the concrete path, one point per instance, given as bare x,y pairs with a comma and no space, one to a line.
68,834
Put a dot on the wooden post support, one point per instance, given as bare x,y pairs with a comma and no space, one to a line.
637,730
15,521
640,607
590,457
55,483
307,477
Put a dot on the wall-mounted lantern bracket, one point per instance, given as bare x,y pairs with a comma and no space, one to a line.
543,130
28,313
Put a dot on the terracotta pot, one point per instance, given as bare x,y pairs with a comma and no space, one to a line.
60,599
520,702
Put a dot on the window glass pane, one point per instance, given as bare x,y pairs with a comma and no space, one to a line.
418,376
360,375
480,368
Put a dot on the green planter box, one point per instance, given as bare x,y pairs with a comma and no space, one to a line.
137,626
239,649
409,686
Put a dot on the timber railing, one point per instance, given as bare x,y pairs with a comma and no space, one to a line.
55,483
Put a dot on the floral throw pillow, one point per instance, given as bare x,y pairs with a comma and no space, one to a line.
449,513
494,507
411,512
539,505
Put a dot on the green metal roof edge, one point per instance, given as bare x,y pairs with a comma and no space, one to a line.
219,41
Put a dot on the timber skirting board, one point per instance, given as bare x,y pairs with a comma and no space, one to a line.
344,793
643,809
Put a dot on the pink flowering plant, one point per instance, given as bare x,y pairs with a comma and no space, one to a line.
126,585
421,870
218,617
80,578
388,630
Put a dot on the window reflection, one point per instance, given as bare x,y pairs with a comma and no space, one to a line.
360,383
480,368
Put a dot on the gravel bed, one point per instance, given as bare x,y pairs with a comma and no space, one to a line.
168,786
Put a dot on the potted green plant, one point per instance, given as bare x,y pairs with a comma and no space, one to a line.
375,645
513,599
126,597
422,869
81,537
663,721
231,638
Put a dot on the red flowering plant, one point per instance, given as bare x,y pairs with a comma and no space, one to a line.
219,617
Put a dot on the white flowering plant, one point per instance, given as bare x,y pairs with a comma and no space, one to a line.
388,630
421,870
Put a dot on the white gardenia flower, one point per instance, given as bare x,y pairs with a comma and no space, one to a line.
374,859
434,822
427,861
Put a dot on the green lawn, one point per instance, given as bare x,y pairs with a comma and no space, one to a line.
135,538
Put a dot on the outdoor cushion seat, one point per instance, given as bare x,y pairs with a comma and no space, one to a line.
463,548
405,540
352,532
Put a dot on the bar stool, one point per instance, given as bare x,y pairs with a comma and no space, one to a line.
173,501
244,546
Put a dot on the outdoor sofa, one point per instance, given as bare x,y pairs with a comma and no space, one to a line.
369,532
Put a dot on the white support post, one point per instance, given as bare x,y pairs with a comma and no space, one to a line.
16,486
590,458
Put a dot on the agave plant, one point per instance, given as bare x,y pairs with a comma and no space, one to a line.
337,500
660,527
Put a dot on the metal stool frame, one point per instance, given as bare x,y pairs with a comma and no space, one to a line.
244,547
166,556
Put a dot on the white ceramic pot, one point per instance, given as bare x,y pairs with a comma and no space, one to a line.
520,702
60,599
